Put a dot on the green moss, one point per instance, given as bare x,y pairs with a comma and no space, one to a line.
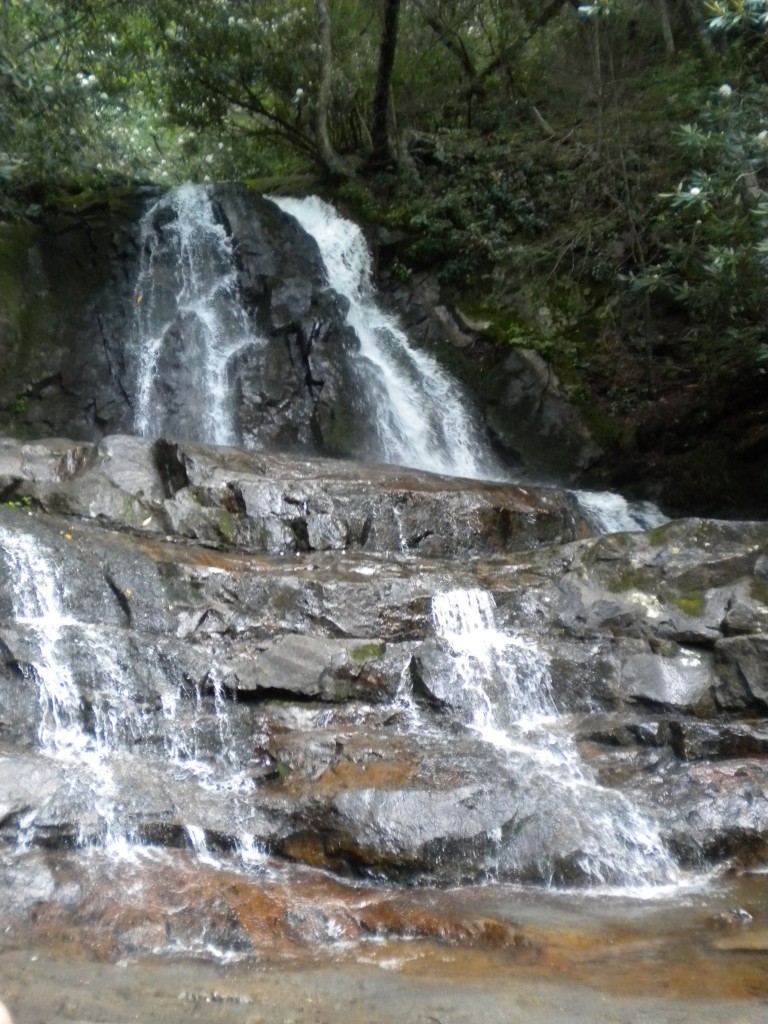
337,430
365,652
658,535
631,578
691,602
343,691
758,591
226,526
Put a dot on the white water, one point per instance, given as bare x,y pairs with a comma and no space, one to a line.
499,685
419,413
610,513
96,739
37,605
188,310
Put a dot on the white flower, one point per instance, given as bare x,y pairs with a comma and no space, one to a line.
695,191
48,89
725,91
209,158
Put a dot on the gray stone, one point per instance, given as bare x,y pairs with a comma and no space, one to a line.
681,679
742,673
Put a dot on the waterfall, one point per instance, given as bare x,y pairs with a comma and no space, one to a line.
191,324
418,411
189,320
38,606
499,685
95,737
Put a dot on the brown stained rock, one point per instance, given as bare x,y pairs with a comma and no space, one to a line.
748,941
395,918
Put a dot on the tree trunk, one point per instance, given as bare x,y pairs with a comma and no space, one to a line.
695,19
666,28
383,151
329,158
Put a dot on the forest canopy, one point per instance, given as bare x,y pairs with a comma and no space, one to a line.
179,88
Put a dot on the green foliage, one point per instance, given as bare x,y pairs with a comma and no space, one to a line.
470,206
711,230
21,503
732,15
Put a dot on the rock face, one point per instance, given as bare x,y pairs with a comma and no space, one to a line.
539,432
185,622
277,504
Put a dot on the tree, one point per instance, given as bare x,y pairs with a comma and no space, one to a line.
326,152
383,149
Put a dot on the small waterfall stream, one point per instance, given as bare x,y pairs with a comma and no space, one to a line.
38,606
421,417
189,318
95,736
500,687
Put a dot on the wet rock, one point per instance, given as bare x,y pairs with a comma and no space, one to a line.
671,679
312,689
698,741
625,732
26,783
714,813
319,668
743,618
742,680
533,419
257,502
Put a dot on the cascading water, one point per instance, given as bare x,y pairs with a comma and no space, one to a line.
500,686
96,736
419,412
420,416
38,607
189,315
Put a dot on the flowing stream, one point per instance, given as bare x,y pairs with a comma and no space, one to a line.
499,685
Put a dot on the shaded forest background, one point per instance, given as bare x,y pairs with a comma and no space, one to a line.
584,180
